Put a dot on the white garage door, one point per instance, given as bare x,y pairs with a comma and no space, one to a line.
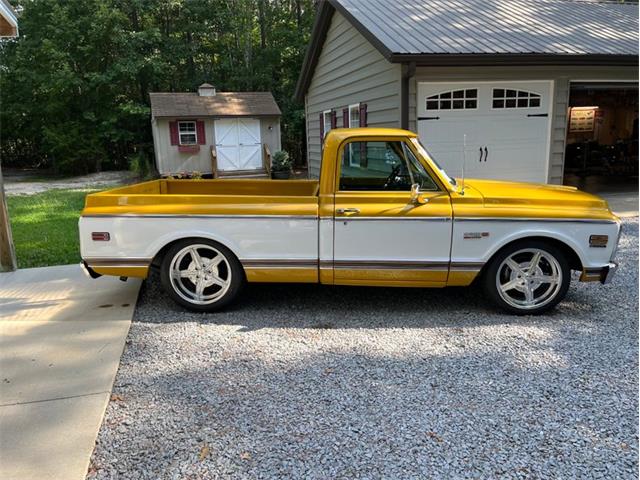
506,126
238,144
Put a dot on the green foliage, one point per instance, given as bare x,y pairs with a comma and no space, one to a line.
45,227
141,165
280,162
74,86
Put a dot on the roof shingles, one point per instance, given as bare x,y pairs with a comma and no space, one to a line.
223,104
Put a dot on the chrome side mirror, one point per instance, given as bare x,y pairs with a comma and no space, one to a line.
416,195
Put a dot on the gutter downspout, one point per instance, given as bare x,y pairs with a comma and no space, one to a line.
408,71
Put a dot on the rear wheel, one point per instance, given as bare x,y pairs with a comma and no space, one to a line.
528,278
201,275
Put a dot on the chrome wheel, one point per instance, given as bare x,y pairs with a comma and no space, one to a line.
529,278
200,274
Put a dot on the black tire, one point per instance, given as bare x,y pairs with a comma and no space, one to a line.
228,270
520,250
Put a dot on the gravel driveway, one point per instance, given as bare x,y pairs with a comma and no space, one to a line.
327,383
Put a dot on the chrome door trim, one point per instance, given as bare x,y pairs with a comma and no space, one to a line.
533,219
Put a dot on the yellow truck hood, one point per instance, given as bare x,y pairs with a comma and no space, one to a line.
538,196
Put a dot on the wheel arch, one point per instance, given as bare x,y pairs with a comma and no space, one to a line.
162,251
572,256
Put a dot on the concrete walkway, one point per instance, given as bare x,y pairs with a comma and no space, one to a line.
61,337
623,204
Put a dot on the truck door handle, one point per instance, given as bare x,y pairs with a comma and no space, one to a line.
343,211
486,153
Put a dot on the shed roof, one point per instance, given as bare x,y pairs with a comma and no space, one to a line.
222,104
486,32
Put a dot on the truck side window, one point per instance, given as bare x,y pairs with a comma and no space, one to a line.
381,166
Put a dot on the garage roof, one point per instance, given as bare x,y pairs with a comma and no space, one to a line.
222,104
486,32
498,26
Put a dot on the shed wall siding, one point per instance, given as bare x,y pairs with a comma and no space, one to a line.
561,77
169,160
349,71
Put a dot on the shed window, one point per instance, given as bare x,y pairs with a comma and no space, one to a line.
466,99
187,133
505,98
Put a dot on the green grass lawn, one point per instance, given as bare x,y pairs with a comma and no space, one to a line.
45,227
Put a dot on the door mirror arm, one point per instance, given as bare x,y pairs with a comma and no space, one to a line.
416,196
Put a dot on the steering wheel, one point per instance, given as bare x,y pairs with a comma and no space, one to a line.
392,179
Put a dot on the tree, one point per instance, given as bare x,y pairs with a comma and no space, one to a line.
74,87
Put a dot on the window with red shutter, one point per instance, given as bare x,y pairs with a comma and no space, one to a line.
334,119
187,132
345,118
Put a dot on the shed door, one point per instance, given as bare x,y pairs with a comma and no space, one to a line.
238,144
506,125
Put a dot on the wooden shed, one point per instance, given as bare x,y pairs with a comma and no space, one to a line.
218,133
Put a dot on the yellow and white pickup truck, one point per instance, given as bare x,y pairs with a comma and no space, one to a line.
382,214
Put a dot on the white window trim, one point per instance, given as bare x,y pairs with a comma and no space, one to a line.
326,114
356,107
352,163
195,133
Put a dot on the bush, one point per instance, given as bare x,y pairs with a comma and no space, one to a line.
139,164
280,162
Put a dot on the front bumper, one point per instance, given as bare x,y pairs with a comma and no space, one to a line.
603,275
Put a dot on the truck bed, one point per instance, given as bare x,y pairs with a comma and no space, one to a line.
228,196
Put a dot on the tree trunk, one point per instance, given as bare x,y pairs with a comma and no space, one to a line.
263,26
298,14
8,261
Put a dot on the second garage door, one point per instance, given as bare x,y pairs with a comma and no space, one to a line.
506,125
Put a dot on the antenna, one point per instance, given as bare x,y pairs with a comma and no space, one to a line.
464,161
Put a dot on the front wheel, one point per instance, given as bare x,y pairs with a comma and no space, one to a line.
201,275
528,278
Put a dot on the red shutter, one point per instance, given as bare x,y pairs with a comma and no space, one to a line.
363,115
334,119
202,139
364,161
345,117
321,128
173,133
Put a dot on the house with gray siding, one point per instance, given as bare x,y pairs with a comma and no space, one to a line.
524,90
214,133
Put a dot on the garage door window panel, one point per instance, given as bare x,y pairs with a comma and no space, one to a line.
509,98
463,99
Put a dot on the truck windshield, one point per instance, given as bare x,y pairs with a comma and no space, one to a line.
425,153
